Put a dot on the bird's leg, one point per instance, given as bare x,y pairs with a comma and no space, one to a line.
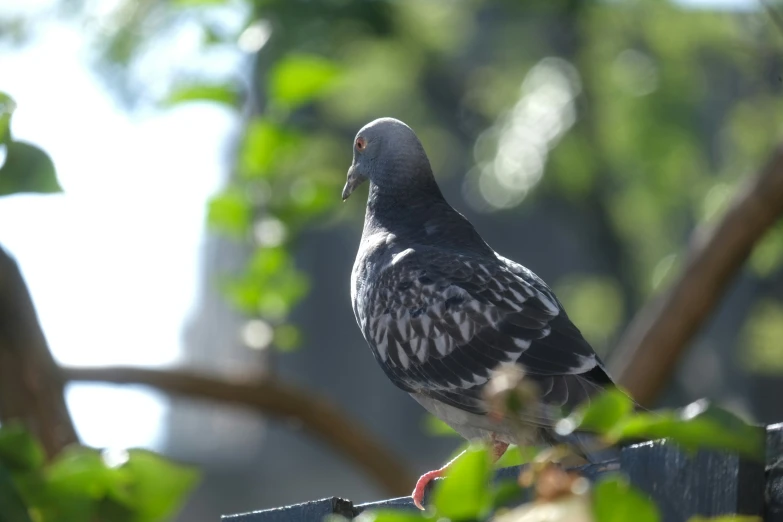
498,449
421,484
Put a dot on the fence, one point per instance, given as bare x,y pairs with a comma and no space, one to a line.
706,483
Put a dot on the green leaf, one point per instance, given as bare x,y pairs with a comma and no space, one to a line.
230,212
516,456
80,471
27,169
158,486
7,107
19,451
390,515
264,145
299,78
698,425
507,493
223,93
435,426
12,507
614,500
605,411
465,492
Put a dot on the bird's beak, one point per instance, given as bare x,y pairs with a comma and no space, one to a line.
354,180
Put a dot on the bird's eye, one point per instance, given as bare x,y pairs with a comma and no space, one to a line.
360,144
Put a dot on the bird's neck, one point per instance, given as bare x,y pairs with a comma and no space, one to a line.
420,216
394,207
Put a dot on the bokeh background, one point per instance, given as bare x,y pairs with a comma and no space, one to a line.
201,146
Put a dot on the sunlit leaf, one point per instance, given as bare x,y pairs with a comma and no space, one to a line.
593,302
27,168
19,451
465,492
604,411
298,78
516,456
230,212
760,348
80,471
222,93
615,500
159,486
435,426
7,107
390,515
698,425
264,145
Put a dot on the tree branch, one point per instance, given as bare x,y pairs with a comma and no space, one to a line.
652,345
275,399
31,388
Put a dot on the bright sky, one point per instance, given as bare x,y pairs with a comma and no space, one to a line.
113,263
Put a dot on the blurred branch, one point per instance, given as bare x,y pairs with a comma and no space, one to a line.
275,399
31,388
653,343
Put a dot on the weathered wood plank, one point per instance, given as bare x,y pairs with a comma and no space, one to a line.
774,471
706,483
308,511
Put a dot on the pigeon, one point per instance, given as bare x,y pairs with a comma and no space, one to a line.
442,311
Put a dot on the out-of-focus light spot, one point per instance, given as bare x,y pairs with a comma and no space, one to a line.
694,409
114,457
565,426
259,193
762,351
257,334
595,303
303,191
3,154
715,200
511,155
269,232
635,72
255,36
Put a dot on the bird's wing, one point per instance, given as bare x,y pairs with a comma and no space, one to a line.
439,323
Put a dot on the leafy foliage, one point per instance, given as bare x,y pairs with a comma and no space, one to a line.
466,497
207,92
298,79
614,500
84,484
467,493
698,425
25,168
655,136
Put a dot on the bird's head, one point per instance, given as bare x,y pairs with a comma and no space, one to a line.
388,153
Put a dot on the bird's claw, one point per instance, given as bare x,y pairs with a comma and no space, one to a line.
421,487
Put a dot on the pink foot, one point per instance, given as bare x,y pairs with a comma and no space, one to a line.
498,449
421,485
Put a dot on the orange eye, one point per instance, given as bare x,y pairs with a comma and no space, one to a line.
360,144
